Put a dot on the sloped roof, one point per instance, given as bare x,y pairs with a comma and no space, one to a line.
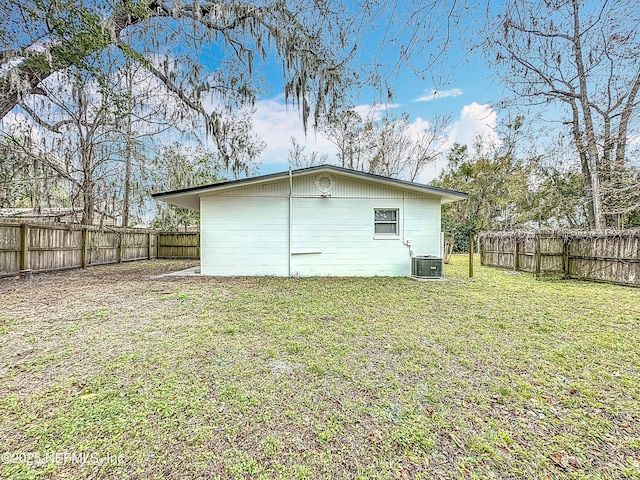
190,197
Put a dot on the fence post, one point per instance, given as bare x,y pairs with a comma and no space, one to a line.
119,249
516,256
565,258
148,245
25,270
85,247
471,255
538,255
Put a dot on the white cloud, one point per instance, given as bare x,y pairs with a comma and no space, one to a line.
633,141
436,94
276,123
374,112
12,121
475,120
18,124
418,126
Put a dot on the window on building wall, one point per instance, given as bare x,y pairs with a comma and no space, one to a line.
385,221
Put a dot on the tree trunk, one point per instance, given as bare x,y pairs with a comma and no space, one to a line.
87,207
591,154
584,164
126,201
127,189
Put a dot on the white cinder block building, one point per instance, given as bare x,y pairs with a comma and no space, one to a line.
316,221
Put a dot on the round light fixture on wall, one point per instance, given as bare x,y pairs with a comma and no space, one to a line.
324,183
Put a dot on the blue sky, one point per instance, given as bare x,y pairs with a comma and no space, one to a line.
466,91
469,102
460,85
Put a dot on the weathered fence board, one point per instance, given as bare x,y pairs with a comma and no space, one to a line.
29,247
179,245
609,256
10,249
52,248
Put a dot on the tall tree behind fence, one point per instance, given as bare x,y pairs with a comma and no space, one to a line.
32,248
609,256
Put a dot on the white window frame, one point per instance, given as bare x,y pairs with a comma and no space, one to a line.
396,222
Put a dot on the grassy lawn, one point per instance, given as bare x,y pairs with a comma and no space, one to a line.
502,376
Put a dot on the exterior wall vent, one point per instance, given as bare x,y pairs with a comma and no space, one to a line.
426,266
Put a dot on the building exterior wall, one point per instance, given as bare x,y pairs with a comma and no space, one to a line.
332,236
245,231
244,236
304,185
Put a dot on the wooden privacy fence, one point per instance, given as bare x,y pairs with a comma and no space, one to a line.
179,245
608,256
31,248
